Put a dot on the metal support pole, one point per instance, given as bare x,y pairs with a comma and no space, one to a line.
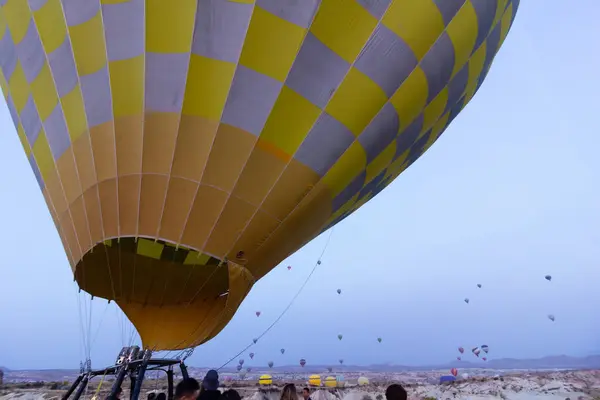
73,387
82,387
133,380
184,371
140,376
118,382
170,383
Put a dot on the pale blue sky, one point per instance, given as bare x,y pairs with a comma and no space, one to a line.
507,195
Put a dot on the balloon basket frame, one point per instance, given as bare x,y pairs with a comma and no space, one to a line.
133,363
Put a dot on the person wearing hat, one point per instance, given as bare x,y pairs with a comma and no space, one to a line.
210,386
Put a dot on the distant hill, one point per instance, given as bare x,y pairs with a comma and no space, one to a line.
549,362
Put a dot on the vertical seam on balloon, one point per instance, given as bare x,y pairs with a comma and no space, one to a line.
201,250
32,21
97,189
159,226
323,111
49,199
143,117
356,138
241,232
71,147
114,131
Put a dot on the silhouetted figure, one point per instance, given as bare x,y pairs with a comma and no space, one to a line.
395,392
289,392
231,394
306,393
187,389
210,386
161,396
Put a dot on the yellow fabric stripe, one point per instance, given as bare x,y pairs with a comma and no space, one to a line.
410,99
435,109
418,22
357,100
462,30
290,106
43,155
207,87
44,92
74,111
89,48
149,248
381,162
23,139
344,26
169,28
17,15
51,25
127,86
271,44
19,88
349,165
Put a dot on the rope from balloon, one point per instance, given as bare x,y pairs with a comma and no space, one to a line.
286,308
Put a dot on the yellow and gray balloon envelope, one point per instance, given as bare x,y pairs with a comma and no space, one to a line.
185,148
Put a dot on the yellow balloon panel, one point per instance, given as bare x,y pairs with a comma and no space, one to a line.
236,130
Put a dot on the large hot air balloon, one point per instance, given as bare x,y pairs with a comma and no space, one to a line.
185,148
302,362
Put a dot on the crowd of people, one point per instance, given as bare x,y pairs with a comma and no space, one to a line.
191,389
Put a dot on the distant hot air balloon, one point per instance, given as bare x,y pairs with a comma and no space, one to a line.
258,313
282,351
270,364
241,362
251,355
479,285
239,368
484,358
461,350
454,371
485,348
289,267
255,340
340,336
302,362
476,351
551,317
548,277
341,360
249,369
211,160
339,291
379,339
467,300
329,369
319,262
458,358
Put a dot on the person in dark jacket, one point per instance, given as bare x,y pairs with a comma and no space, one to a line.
187,389
395,392
306,393
210,386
